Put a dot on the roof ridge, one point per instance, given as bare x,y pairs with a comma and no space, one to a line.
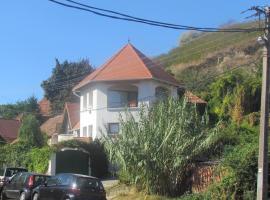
102,67
140,59
1,118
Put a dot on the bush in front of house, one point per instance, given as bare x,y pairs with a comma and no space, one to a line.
30,131
37,159
157,152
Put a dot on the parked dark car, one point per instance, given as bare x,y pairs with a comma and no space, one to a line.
7,173
22,184
68,186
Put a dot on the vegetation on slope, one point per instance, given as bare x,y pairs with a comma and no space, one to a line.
209,54
205,43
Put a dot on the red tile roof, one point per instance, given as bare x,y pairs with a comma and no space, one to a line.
9,129
73,112
52,125
193,98
45,107
128,64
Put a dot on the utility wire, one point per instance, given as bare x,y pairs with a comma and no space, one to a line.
153,23
147,20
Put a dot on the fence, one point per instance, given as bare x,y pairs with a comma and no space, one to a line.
203,175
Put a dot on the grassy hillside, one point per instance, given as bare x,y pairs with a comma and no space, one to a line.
205,55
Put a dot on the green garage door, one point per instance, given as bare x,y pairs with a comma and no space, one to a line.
72,161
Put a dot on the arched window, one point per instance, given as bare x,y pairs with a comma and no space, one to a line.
162,93
120,96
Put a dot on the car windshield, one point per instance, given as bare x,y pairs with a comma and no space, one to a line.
12,171
65,179
83,182
39,179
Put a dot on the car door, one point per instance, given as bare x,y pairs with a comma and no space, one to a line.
46,192
20,184
90,188
10,187
64,182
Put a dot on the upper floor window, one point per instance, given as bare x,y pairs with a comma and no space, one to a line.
84,101
124,96
113,128
161,93
87,100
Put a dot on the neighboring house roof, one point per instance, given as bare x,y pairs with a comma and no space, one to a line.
9,129
45,107
77,126
52,125
73,114
193,98
128,64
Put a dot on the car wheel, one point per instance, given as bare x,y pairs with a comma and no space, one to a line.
35,197
22,196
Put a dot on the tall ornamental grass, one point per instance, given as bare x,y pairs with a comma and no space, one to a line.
156,153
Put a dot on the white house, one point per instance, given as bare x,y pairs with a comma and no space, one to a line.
126,81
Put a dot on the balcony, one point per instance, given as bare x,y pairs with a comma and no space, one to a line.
57,138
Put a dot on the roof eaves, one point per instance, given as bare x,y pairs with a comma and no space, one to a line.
169,82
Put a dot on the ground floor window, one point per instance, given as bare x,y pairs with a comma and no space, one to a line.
84,131
113,128
90,130
77,133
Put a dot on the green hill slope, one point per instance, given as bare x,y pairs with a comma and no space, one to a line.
204,55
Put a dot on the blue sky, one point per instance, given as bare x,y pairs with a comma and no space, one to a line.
35,32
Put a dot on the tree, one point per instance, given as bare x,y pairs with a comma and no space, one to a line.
30,105
30,131
58,87
229,92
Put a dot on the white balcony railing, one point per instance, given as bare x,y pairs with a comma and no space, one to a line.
61,137
64,137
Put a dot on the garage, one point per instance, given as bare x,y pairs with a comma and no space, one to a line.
72,161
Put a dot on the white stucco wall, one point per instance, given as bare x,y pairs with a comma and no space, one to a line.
100,115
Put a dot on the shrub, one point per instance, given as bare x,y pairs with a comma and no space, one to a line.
30,131
14,154
37,159
157,152
238,166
